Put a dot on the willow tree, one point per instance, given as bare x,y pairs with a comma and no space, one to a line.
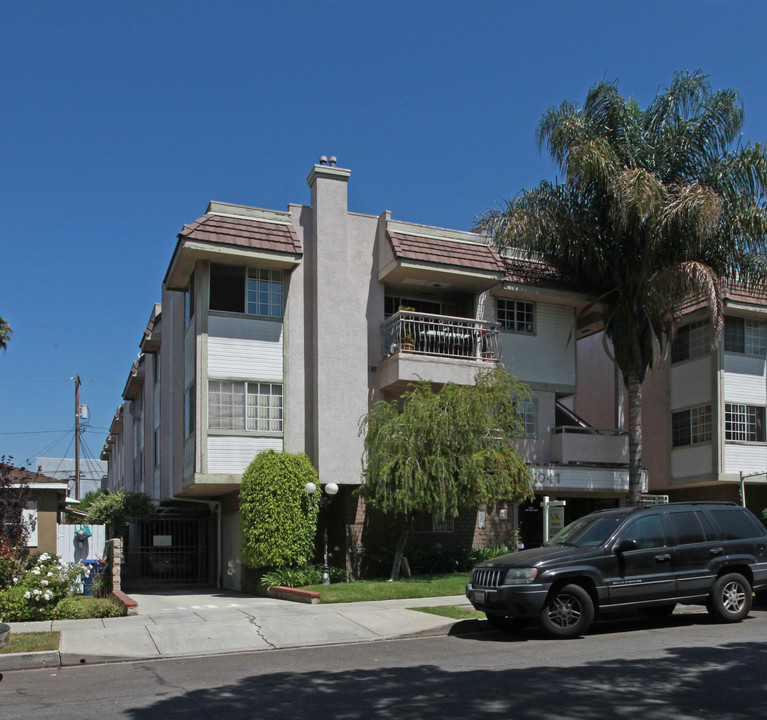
657,206
438,451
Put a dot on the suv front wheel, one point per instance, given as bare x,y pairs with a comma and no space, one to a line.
731,598
567,613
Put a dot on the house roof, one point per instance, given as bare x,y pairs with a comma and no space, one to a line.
19,475
243,232
476,256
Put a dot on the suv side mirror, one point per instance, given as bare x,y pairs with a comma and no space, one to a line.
626,545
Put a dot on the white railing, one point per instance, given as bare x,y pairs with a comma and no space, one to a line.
441,335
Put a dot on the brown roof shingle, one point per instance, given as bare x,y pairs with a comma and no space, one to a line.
445,252
243,232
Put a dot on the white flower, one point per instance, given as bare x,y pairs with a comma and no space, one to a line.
47,596
45,556
43,582
36,571
37,591
15,579
50,574
27,595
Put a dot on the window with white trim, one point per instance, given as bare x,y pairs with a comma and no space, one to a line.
516,316
691,427
748,337
245,406
429,523
254,290
691,341
744,423
29,518
528,417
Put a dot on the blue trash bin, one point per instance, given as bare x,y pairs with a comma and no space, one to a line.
90,580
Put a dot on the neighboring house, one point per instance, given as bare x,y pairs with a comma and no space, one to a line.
93,473
279,329
47,499
704,412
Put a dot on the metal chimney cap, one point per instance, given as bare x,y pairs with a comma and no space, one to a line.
323,159
332,161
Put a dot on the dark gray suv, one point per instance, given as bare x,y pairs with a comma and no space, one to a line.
648,558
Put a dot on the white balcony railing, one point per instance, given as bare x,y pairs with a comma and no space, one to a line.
441,335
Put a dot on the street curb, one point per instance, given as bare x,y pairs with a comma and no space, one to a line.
294,594
30,660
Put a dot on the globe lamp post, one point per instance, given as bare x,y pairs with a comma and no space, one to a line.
327,497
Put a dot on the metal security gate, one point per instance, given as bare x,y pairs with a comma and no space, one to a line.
173,549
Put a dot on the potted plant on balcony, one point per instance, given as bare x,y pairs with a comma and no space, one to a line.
406,339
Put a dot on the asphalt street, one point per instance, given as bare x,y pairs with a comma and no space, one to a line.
684,667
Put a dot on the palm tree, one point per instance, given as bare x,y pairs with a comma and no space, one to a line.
656,206
5,333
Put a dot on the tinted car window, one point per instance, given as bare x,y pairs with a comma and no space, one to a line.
647,531
589,531
686,528
708,528
736,524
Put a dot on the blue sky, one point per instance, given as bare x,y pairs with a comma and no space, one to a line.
121,120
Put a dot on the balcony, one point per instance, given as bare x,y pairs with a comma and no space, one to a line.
576,444
438,348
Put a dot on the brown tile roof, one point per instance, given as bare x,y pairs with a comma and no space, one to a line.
243,232
445,252
22,475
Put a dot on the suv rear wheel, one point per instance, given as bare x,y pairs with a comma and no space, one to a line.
731,598
567,613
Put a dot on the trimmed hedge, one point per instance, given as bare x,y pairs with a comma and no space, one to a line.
279,520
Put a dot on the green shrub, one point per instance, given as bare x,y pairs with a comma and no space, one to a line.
300,576
35,592
279,519
78,607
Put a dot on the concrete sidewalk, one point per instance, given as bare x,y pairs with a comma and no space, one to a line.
188,624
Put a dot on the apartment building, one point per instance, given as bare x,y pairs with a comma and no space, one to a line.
704,411
280,329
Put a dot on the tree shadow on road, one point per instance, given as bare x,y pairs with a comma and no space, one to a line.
722,682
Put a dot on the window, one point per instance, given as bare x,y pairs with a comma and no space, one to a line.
744,423
29,518
745,336
255,291
516,315
736,525
189,411
528,418
245,406
265,292
690,427
691,341
428,523
647,531
686,527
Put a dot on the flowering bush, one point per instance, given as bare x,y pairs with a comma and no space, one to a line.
34,593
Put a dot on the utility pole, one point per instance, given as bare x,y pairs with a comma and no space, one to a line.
77,436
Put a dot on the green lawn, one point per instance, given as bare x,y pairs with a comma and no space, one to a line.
31,642
414,587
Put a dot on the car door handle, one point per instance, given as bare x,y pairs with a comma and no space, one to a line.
662,558
716,551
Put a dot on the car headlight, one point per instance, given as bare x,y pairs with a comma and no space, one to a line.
517,576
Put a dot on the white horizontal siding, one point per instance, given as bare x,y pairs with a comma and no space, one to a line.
230,454
744,458
745,387
546,357
245,348
691,461
691,383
